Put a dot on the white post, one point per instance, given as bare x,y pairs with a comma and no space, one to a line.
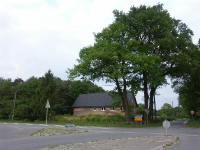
166,125
47,115
47,107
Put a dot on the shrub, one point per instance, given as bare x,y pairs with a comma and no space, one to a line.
91,118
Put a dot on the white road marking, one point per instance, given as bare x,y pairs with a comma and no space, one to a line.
189,135
59,126
44,125
29,124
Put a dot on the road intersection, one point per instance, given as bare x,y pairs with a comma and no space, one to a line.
16,136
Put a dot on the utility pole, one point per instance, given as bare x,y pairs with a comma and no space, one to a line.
14,100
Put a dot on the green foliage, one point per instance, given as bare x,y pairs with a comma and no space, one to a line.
116,99
138,50
187,81
170,113
166,111
91,118
32,94
101,120
194,123
179,113
5,108
140,109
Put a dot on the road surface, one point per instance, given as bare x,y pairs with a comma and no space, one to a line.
14,136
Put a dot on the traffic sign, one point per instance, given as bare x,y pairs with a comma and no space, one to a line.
192,112
47,104
166,125
47,107
138,118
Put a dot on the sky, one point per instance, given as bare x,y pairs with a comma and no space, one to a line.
38,35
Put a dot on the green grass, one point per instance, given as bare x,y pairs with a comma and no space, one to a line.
91,120
194,123
138,125
22,121
102,120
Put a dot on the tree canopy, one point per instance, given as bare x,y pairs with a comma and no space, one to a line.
31,96
137,52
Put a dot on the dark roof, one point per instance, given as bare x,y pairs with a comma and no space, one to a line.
93,100
131,99
129,96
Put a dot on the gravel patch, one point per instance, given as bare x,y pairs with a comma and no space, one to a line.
133,143
56,131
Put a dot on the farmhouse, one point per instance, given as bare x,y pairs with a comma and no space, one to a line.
97,103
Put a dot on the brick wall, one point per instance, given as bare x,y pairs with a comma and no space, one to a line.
81,111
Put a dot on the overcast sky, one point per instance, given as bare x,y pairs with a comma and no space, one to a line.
37,35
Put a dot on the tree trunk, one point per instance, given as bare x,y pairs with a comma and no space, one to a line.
124,99
127,111
152,93
135,101
146,96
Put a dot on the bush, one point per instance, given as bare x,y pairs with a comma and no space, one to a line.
91,118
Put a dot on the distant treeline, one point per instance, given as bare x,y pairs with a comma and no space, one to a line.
26,100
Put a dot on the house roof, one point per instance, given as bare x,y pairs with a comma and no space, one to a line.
129,96
93,100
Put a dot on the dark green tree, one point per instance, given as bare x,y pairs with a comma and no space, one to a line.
166,111
186,80
138,51
153,32
109,59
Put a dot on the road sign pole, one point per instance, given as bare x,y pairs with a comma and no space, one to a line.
47,115
166,125
47,107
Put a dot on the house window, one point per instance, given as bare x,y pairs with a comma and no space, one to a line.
94,109
103,108
112,108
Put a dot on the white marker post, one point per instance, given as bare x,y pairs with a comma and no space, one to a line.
166,125
47,107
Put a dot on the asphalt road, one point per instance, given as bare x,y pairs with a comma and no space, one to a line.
17,136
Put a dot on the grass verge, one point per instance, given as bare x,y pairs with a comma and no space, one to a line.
91,120
194,123
102,120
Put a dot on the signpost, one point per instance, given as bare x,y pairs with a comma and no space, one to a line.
166,125
192,112
138,118
47,107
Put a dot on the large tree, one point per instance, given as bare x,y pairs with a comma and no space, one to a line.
108,59
153,32
138,50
